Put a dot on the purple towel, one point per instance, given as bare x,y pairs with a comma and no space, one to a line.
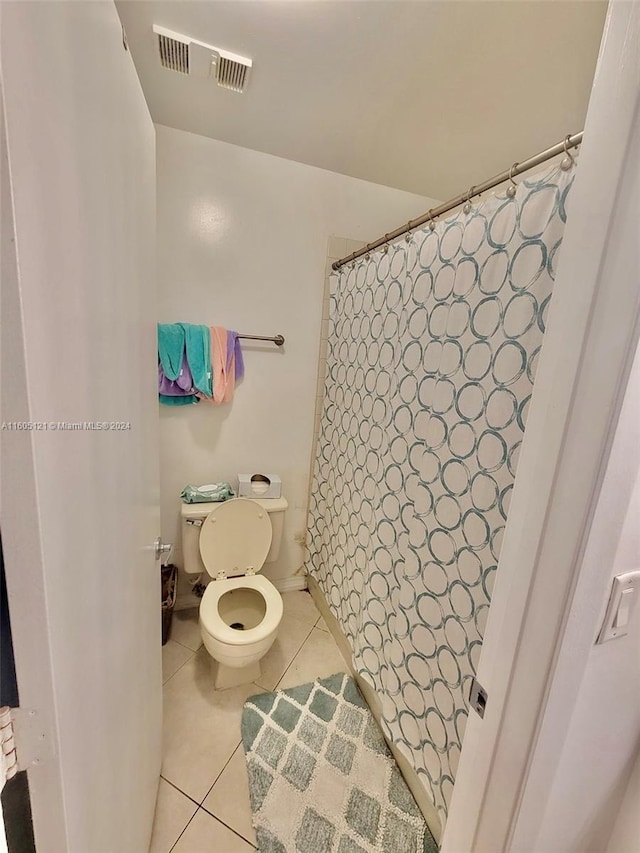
233,346
180,387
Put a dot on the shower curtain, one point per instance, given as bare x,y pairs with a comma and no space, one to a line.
433,347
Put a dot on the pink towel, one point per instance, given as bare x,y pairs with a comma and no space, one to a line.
223,368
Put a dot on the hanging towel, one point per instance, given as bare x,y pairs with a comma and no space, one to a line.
195,362
180,387
186,400
231,378
170,393
177,344
219,363
234,351
198,349
171,347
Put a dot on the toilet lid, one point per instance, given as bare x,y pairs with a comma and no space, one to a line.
234,537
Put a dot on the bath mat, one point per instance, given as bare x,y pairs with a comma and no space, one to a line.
321,778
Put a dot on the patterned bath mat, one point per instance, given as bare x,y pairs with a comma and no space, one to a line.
321,777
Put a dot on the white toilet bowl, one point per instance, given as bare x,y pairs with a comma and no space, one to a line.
240,611
239,619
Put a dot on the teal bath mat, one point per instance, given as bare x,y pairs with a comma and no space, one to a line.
321,778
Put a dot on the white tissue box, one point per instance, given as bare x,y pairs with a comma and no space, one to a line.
259,486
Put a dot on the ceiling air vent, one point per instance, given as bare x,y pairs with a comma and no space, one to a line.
232,73
188,56
174,54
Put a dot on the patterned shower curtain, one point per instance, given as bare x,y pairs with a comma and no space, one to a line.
433,347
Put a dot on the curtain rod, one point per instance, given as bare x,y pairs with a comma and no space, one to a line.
572,141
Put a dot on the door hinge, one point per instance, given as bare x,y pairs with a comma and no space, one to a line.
25,739
478,697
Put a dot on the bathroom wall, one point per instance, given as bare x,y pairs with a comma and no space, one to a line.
337,247
626,830
242,243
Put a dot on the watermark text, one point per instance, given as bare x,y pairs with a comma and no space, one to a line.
65,426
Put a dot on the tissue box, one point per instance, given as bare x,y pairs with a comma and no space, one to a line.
259,486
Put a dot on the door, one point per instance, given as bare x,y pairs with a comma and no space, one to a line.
80,495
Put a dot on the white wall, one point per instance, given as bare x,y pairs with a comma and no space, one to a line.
242,240
625,837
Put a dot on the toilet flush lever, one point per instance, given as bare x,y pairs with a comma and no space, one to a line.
159,548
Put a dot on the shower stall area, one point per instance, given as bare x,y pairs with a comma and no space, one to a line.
434,338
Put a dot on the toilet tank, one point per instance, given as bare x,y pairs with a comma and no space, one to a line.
193,513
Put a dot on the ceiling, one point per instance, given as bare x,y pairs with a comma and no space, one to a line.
429,96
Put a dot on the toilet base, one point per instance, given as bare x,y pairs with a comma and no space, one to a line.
227,676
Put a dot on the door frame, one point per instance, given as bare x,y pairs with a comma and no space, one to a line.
582,377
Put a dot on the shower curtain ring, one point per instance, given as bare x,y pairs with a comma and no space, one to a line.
511,189
432,224
567,161
467,207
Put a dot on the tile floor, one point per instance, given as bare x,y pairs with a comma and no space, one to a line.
203,800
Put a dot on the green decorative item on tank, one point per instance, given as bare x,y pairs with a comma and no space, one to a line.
211,493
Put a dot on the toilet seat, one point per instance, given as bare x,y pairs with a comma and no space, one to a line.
214,624
235,538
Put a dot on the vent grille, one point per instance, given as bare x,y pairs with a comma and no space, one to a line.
187,55
174,54
231,74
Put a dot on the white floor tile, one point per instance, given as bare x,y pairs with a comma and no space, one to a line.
229,797
201,726
173,813
291,635
173,656
185,628
299,605
205,834
319,657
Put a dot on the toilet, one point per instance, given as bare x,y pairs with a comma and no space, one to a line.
241,610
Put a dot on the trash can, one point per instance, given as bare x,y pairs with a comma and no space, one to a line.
169,574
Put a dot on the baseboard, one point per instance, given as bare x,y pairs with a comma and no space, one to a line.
410,776
290,584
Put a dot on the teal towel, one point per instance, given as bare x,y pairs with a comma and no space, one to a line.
171,344
170,400
198,344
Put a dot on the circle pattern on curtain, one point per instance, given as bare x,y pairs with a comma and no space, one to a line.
432,355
